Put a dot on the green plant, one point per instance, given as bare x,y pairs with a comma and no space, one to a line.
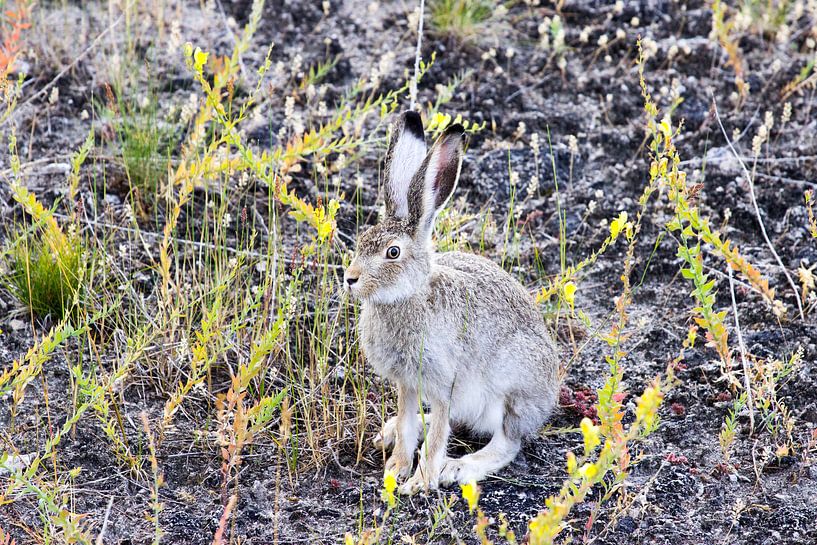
45,273
768,377
808,196
145,148
729,430
48,269
158,481
461,19
767,17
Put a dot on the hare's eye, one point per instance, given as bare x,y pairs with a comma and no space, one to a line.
393,252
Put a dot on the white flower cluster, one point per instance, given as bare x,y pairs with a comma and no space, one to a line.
552,33
762,133
786,113
533,186
292,118
490,54
190,108
649,47
573,144
382,69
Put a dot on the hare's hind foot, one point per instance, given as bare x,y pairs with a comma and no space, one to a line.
387,436
498,453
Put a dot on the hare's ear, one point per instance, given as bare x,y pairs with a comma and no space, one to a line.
407,150
434,183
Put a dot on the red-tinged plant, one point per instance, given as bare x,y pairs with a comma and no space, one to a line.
581,401
5,539
16,21
677,459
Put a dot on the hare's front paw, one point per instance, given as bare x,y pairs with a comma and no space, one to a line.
398,466
388,435
424,478
462,471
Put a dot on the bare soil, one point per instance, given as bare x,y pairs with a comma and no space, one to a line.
677,491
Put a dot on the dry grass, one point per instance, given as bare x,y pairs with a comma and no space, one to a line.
215,288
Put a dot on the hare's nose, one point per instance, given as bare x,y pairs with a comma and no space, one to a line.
350,280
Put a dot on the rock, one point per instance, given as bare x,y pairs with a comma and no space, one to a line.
17,325
57,168
112,199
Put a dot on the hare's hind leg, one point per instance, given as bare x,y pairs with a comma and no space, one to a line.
499,452
387,436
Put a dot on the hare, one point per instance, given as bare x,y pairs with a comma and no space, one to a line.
451,330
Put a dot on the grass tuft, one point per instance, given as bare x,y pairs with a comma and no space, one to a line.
46,272
460,19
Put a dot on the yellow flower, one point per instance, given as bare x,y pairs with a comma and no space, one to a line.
665,126
629,230
199,58
646,409
588,471
692,334
591,435
470,493
569,292
617,225
389,486
571,463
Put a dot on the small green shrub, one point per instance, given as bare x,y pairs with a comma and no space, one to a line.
143,163
462,19
146,141
144,153
45,272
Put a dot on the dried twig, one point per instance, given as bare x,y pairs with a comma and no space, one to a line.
747,384
100,539
218,539
413,88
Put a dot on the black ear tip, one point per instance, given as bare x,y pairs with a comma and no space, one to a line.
455,130
413,123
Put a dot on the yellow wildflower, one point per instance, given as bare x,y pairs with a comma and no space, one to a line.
588,471
617,225
389,486
199,59
591,435
646,410
569,293
470,493
571,463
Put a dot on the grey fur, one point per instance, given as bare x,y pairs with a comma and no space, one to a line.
453,330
